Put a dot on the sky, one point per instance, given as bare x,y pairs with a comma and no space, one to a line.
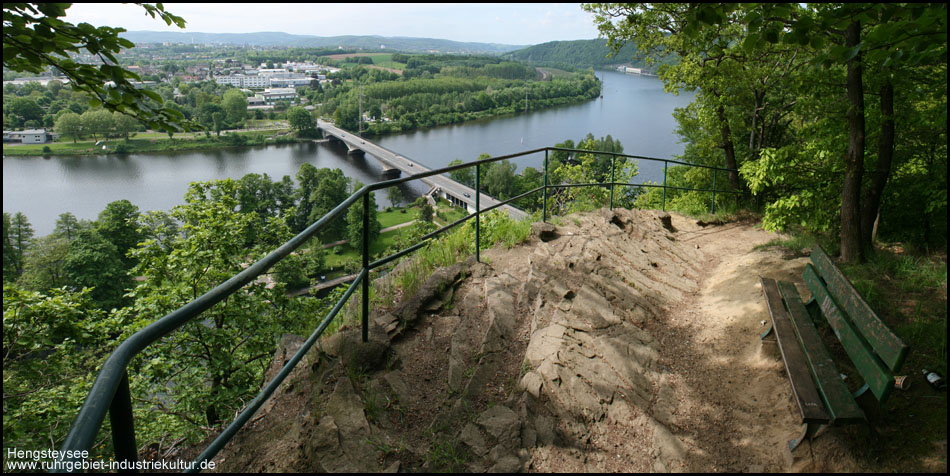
505,23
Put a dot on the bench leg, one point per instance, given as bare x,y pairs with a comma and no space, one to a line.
857,393
808,431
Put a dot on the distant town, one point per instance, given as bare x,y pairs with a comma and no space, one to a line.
193,79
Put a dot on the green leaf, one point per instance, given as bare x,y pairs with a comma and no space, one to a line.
153,95
751,42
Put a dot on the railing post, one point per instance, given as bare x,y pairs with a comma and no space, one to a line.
665,163
613,160
544,193
478,212
712,208
123,424
365,283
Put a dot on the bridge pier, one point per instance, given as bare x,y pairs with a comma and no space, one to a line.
390,174
352,150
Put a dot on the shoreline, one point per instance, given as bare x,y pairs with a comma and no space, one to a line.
120,146
193,141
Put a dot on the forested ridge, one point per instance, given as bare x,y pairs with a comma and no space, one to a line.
582,54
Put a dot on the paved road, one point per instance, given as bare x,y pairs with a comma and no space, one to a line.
409,167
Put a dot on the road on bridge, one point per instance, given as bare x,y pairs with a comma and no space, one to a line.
409,167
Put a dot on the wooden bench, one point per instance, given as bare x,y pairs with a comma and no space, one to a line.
876,352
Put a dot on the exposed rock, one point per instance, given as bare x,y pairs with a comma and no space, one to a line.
666,220
501,423
326,437
400,388
362,356
346,410
544,231
547,360
435,286
473,438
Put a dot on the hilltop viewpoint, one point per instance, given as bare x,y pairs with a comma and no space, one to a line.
620,341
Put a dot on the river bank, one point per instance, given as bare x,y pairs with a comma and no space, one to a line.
155,142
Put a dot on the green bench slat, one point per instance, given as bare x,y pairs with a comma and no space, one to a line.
875,373
796,363
835,393
886,344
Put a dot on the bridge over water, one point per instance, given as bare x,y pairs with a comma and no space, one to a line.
395,164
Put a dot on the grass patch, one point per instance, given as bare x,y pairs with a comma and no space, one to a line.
800,245
152,142
448,249
448,214
342,255
397,217
555,73
447,456
910,293
339,256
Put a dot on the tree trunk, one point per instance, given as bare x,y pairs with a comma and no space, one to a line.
211,413
851,250
728,148
885,155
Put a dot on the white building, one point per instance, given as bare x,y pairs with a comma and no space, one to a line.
43,80
254,82
290,82
272,71
242,81
232,80
629,70
279,94
32,136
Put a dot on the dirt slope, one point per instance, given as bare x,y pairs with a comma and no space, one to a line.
608,343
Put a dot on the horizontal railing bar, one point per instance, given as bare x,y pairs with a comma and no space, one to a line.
422,242
448,227
671,187
395,256
501,204
640,157
272,386
451,168
622,184
577,185
424,239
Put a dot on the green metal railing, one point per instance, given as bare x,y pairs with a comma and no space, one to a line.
110,391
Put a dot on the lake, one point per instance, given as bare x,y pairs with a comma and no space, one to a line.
634,110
